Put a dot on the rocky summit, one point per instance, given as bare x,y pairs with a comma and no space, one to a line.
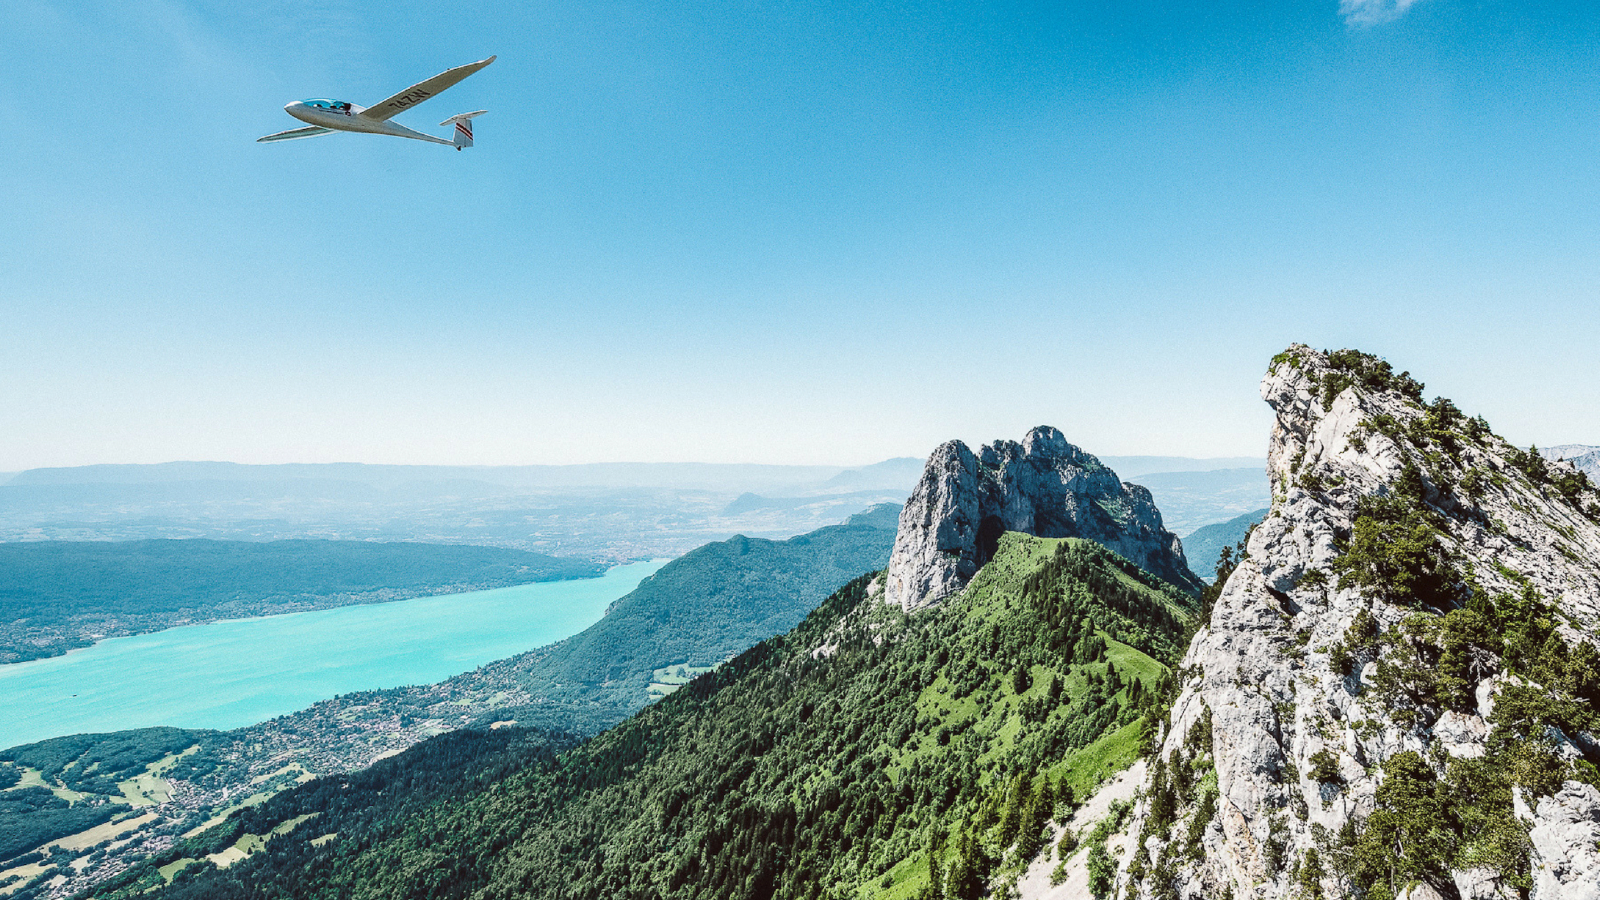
1043,486
1397,692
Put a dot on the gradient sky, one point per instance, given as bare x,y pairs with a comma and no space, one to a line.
823,232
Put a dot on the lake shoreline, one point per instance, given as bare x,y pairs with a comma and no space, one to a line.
258,668
57,596
315,603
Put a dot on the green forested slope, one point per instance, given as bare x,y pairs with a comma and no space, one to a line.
1205,544
698,611
825,762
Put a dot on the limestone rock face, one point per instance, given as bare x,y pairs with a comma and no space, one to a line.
1283,702
1565,835
1043,486
1583,457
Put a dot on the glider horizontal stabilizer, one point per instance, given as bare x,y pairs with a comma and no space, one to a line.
295,134
463,124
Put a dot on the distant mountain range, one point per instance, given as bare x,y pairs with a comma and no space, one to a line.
1586,457
608,512
901,471
1130,468
897,472
1189,500
612,512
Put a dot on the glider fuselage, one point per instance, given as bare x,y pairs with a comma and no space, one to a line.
341,116
327,116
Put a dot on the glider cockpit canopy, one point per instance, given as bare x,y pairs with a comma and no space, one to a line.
335,105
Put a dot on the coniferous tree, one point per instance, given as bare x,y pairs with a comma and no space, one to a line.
935,889
1021,679
1041,807
1012,814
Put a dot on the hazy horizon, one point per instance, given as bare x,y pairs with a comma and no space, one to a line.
1230,460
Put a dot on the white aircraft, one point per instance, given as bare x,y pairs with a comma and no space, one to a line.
328,116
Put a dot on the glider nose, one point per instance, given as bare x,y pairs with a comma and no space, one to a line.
296,109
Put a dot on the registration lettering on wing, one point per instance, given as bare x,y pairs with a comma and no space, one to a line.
410,98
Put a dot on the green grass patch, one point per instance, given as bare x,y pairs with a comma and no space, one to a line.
906,880
171,869
1129,661
1087,768
667,679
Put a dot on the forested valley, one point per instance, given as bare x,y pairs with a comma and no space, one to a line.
866,752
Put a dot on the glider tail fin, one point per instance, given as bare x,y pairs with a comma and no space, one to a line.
463,124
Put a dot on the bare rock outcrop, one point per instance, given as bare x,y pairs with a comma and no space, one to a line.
1565,831
1043,486
1415,571
1584,457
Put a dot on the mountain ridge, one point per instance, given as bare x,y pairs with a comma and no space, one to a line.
1204,545
1584,457
1397,686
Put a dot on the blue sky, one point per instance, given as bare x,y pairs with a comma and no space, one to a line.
783,232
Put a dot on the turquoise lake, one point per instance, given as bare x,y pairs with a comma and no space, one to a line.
230,674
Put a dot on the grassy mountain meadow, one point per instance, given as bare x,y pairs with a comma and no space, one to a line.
865,753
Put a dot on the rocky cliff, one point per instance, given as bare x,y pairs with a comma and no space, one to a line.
1043,486
1396,693
1584,457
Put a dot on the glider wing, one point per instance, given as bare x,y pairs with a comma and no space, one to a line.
294,134
421,91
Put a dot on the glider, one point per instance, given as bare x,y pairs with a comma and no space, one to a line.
328,116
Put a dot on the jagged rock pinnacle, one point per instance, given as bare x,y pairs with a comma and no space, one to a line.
1043,486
